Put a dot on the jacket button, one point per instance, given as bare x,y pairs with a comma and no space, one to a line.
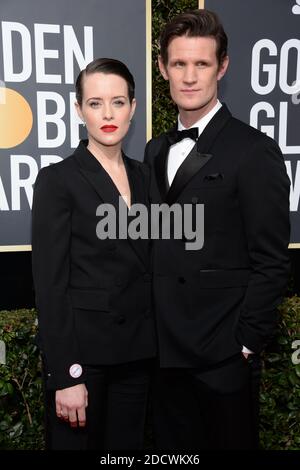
147,277
121,319
118,281
181,280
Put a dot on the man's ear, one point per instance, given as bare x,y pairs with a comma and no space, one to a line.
162,68
223,67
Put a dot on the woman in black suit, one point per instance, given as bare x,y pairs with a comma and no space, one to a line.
94,294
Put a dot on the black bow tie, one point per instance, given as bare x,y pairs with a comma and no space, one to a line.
176,136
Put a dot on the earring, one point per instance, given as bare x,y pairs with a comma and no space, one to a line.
83,123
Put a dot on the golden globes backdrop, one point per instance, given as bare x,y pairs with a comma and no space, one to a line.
43,46
262,85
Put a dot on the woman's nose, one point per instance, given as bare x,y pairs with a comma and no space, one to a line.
107,112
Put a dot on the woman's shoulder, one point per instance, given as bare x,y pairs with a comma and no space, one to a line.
63,166
56,174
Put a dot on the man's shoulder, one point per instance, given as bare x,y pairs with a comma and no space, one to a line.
246,133
158,140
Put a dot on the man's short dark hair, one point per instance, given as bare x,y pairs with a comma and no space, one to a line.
196,23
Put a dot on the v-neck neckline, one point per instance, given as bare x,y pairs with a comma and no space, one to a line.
130,185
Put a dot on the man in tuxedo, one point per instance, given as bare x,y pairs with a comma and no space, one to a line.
215,306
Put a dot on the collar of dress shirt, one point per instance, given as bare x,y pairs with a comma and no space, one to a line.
202,123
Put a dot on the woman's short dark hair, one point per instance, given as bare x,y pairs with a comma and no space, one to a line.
196,23
104,65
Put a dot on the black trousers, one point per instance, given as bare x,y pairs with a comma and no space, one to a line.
215,409
117,402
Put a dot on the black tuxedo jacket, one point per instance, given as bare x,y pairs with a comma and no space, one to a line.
93,296
212,301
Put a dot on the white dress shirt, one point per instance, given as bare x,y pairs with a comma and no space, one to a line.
179,151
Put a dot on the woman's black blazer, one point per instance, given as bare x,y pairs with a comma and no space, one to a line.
93,296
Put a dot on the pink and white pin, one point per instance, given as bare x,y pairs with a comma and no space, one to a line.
75,371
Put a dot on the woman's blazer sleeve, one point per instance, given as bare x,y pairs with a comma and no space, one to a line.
51,242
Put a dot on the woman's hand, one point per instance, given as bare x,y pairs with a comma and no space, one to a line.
71,403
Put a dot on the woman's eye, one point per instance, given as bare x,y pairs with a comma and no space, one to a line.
94,104
119,103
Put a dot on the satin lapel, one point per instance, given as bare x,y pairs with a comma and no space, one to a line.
212,130
160,166
199,155
191,165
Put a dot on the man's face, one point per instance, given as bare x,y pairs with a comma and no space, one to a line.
193,72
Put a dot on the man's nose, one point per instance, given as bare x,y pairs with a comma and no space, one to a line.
190,75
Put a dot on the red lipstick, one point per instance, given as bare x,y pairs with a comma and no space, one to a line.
109,128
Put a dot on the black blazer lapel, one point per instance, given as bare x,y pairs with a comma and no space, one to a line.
160,167
100,180
199,155
213,129
138,195
95,174
191,165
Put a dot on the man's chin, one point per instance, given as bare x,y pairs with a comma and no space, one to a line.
192,107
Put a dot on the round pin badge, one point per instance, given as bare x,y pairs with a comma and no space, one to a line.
75,371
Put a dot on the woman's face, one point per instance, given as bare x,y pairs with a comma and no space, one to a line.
105,108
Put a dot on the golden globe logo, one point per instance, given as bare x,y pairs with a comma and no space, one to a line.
15,118
39,113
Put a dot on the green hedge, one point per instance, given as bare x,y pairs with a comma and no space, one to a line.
280,391
21,404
